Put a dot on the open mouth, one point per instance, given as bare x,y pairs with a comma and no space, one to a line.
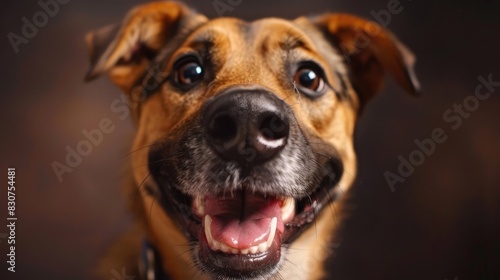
242,234
243,224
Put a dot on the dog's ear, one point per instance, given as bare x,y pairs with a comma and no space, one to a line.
369,50
124,50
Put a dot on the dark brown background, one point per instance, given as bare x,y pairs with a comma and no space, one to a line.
443,222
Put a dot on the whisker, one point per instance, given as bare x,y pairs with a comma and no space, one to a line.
138,189
138,149
158,161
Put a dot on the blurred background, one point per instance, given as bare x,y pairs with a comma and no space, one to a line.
442,222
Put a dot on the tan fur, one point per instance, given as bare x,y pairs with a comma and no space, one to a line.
250,58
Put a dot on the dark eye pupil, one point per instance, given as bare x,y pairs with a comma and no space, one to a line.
309,81
190,73
307,78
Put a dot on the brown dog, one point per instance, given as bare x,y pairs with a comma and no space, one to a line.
244,140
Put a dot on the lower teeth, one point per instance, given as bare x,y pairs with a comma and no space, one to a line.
219,246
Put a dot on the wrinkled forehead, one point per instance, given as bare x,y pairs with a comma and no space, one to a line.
269,38
262,33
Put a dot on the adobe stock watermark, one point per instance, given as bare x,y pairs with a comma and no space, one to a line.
31,26
223,6
453,116
83,148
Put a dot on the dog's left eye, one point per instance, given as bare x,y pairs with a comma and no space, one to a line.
309,81
188,73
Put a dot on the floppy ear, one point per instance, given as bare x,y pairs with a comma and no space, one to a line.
125,50
369,51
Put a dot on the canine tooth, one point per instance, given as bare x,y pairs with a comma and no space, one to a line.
245,251
262,247
208,233
274,222
287,208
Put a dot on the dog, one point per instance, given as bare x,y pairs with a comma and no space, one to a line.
244,140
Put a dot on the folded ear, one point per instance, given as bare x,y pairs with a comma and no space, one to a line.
369,51
124,50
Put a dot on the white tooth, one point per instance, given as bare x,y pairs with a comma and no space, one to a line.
274,222
215,245
208,233
262,247
224,248
287,208
244,251
253,249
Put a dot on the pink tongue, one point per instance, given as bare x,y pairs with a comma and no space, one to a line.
244,220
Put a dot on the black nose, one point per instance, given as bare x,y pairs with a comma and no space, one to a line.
249,127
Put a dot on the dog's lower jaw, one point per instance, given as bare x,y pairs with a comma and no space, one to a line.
303,259
208,273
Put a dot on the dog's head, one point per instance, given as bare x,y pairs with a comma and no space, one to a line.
244,129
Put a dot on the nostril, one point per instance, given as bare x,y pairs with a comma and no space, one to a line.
248,127
222,128
273,128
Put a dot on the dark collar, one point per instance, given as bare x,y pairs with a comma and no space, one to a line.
150,266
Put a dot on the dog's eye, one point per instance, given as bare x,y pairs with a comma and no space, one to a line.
309,81
188,73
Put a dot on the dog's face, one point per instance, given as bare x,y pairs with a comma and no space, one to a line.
244,129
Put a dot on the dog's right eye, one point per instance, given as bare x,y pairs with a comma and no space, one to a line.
188,73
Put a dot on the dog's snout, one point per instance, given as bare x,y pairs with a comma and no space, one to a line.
249,127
